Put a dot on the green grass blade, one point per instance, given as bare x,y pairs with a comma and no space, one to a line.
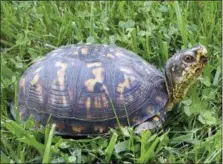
16,110
149,153
144,137
111,146
46,156
23,135
114,111
164,50
181,23
4,158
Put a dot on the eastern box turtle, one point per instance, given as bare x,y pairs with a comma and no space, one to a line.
87,89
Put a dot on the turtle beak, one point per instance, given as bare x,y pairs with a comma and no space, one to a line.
202,55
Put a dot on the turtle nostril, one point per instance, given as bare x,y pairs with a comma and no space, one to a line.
198,70
204,60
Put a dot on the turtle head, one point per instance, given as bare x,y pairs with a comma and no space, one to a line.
181,70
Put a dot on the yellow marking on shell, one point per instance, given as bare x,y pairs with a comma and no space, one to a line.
64,100
22,82
149,110
159,98
88,106
121,87
105,101
119,54
156,118
39,90
84,51
60,126
61,73
61,100
123,69
77,129
110,56
97,72
96,64
35,79
97,102
75,52
88,103
37,70
135,119
100,129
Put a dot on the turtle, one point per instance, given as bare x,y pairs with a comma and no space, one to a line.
86,89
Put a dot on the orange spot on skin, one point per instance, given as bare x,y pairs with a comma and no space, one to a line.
77,129
84,51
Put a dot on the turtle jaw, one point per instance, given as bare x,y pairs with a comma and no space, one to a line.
182,71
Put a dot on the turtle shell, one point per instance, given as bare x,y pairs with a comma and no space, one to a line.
87,89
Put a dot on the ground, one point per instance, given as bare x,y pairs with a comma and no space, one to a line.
154,31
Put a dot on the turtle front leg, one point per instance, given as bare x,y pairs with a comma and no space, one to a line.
153,124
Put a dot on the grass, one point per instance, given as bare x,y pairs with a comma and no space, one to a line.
153,30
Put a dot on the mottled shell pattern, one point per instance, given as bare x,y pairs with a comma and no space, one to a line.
84,87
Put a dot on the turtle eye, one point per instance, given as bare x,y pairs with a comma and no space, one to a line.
188,58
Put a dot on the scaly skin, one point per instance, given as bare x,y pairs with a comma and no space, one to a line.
180,73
